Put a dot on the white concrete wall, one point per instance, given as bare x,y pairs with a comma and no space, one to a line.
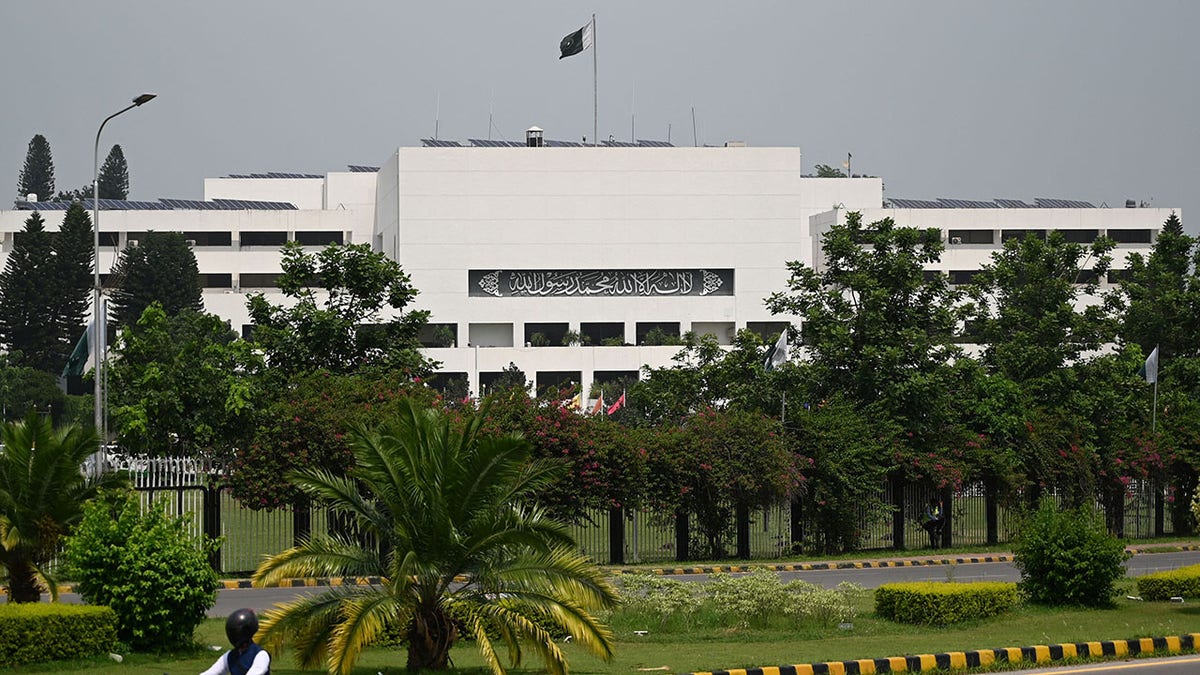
305,193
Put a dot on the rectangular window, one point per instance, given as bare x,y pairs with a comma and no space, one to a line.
248,331
209,238
930,275
955,237
559,381
545,334
263,238
319,238
216,280
110,239
1005,235
1080,236
962,277
258,279
1117,276
603,334
614,376
658,333
1130,236
1087,277
767,330
438,335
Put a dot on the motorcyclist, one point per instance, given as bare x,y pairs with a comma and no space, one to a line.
246,657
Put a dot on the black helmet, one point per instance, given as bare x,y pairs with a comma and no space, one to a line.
241,626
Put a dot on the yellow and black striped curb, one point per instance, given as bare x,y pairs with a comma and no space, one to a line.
313,582
810,567
1165,548
916,663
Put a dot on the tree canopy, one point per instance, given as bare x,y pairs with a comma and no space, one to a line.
29,320
114,175
160,268
37,174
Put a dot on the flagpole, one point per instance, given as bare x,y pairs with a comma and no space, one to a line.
595,105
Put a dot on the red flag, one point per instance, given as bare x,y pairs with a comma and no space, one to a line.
617,406
599,405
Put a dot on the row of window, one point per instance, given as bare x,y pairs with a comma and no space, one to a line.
963,277
1121,236
594,334
225,239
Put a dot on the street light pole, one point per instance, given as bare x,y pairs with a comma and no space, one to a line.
97,335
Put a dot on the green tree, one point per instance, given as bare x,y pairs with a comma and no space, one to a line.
37,175
880,330
42,493
826,171
183,385
161,268
27,305
441,503
74,253
147,566
114,175
24,390
361,323
1159,295
511,378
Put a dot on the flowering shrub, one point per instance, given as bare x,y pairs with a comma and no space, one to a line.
656,598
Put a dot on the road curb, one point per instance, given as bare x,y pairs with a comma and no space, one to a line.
1035,654
810,567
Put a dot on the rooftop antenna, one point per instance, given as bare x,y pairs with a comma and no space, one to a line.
491,101
694,143
437,115
668,133
633,115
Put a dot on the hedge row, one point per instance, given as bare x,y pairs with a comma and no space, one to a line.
1183,582
940,603
52,631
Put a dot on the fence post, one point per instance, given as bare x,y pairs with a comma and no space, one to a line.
616,536
1159,509
742,525
797,524
991,505
947,517
897,513
211,517
681,535
301,520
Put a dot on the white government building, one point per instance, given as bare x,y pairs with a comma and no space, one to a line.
517,248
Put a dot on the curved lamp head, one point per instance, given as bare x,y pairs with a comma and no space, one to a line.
143,98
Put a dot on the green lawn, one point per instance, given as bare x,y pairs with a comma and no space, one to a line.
733,648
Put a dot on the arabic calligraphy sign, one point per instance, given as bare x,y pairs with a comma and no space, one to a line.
599,283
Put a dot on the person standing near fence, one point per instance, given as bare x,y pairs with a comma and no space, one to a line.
933,520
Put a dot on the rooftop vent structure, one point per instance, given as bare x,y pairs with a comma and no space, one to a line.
533,137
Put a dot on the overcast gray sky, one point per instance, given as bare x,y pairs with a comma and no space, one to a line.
1078,99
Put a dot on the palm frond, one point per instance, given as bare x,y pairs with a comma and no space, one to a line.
324,556
362,620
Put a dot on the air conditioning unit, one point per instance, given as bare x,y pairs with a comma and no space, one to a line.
132,243
955,240
191,243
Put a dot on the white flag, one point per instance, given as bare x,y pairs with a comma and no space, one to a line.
779,353
1151,367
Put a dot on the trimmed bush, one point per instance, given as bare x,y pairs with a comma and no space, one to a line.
147,567
1068,557
33,632
939,603
1183,582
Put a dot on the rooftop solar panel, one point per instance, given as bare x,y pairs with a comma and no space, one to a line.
358,168
1013,204
913,203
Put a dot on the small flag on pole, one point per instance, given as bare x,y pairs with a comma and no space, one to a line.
1149,370
576,42
77,362
599,405
618,405
779,353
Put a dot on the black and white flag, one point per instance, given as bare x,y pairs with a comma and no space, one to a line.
576,42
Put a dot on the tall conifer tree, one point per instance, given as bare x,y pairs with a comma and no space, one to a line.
73,255
114,175
161,268
37,175
27,287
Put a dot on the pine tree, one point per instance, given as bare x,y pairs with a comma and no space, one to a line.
73,254
27,288
114,176
37,176
162,268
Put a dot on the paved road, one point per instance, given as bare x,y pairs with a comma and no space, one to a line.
263,598
1176,665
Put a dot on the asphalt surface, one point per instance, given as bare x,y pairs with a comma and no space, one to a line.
1176,665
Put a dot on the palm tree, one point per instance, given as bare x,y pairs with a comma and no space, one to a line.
42,492
460,545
